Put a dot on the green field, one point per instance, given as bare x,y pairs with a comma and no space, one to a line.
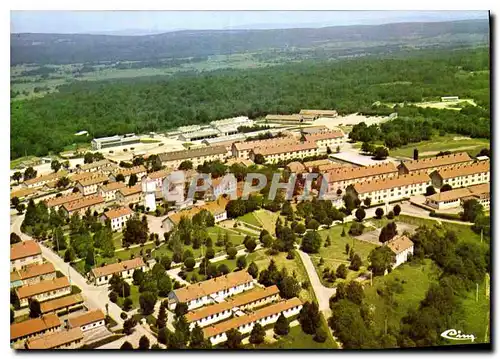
134,295
250,219
449,142
477,314
294,267
296,339
34,86
414,279
267,219
335,254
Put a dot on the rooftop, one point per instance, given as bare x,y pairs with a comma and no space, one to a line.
291,118
399,244
159,174
97,164
23,192
464,169
130,171
44,286
49,177
391,182
118,212
189,154
55,340
249,145
348,173
113,186
325,135
128,191
240,300
35,270
33,326
83,202
214,207
86,318
438,161
277,149
296,167
60,303
118,267
88,181
458,193
213,285
24,249
318,112
236,322
57,201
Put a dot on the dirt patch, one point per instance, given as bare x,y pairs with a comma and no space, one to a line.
457,149
458,138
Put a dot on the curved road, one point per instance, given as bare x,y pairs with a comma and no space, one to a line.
96,297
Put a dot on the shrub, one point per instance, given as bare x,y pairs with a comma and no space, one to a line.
113,297
356,229
231,252
390,215
320,335
123,315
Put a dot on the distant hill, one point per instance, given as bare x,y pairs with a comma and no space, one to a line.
80,48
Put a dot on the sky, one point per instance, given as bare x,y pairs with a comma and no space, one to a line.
143,22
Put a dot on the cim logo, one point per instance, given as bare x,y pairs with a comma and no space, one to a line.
454,334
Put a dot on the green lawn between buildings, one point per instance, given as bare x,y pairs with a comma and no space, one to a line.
415,278
250,219
448,142
296,339
335,255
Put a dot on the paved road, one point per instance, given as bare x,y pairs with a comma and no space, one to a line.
322,293
96,297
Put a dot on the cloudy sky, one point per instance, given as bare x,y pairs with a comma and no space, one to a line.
143,22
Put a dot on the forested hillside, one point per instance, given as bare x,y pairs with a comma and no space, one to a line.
74,48
153,104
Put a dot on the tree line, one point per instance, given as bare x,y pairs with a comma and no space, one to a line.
153,104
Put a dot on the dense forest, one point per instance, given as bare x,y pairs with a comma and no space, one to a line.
81,48
154,104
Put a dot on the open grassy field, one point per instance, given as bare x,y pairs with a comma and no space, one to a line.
22,160
463,231
267,219
250,219
296,339
134,295
294,267
413,278
477,313
448,142
335,255
236,238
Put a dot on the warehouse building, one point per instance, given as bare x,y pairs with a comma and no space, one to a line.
113,141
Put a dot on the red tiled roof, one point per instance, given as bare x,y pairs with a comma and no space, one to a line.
33,326
44,286
24,249
86,318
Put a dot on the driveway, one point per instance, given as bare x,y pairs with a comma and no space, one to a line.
322,293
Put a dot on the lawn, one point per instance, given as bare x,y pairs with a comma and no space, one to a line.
294,267
477,314
296,339
448,142
117,239
134,295
463,231
414,278
267,218
335,254
250,219
236,238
